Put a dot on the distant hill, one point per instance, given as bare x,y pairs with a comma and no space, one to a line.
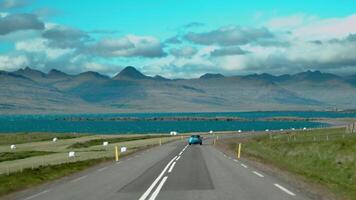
31,91
209,75
130,73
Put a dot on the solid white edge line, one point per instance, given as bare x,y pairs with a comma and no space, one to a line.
171,168
148,191
284,189
102,169
243,165
258,174
36,195
178,158
158,189
78,179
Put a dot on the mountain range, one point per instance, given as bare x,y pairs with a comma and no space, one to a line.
29,91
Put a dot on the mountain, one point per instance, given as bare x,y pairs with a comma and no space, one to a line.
20,94
160,78
31,91
91,75
209,75
130,73
56,74
315,76
30,73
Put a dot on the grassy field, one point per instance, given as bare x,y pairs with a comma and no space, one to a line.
96,142
87,147
324,156
21,138
8,156
32,177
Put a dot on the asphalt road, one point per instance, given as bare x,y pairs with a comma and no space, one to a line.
172,171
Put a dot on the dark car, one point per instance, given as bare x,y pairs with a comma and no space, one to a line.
195,139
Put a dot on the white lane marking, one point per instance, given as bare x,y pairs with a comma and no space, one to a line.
225,156
178,158
171,168
245,166
284,189
102,169
148,191
158,189
180,153
36,195
118,162
258,174
78,179
236,160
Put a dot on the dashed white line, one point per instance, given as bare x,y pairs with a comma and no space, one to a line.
78,179
102,169
36,195
284,189
243,165
258,174
171,168
148,191
236,160
178,158
158,189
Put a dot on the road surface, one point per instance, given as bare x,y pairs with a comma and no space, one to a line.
173,171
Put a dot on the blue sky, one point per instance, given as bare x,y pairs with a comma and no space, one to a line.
229,37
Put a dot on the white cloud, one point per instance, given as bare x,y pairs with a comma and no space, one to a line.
128,46
40,46
12,62
313,28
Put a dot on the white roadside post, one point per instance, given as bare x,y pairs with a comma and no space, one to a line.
71,154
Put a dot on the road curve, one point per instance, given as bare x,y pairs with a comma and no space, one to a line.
173,171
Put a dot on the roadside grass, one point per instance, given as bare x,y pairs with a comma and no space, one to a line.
324,156
32,177
20,138
96,142
7,156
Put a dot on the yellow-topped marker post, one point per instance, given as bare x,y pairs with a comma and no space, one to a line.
117,155
239,151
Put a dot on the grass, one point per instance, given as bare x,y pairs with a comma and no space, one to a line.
20,138
7,156
96,142
32,177
322,156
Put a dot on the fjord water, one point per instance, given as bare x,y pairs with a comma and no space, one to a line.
58,123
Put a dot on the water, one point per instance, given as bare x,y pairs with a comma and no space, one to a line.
50,123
